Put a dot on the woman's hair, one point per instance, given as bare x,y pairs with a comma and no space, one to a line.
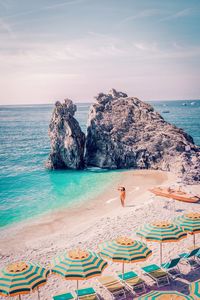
123,188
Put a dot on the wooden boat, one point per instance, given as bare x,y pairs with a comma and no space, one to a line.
175,194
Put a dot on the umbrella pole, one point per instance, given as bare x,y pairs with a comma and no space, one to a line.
194,240
77,285
19,297
160,253
123,269
38,293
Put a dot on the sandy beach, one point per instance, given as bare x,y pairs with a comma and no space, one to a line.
100,219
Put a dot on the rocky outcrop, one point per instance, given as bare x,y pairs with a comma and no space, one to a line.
67,139
124,132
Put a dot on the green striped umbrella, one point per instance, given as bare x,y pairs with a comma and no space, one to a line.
165,295
190,223
125,250
195,289
162,232
21,278
78,265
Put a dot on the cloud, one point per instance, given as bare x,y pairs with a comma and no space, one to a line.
6,27
173,51
179,14
88,51
142,14
150,47
50,70
43,8
61,4
89,48
147,13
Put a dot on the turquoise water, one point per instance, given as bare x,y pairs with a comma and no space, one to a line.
27,189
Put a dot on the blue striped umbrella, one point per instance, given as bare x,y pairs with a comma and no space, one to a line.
162,232
125,250
21,278
195,289
165,295
190,223
78,265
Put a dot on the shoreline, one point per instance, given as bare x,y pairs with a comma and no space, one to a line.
137,182
66,207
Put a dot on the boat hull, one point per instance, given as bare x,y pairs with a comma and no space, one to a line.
176,195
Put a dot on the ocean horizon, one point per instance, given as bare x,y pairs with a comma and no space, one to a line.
28,189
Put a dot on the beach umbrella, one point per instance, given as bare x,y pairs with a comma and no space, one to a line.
190,223
162,232
165,295
78,265
195,289
21,278
125,250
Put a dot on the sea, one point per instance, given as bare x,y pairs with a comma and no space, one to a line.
28,189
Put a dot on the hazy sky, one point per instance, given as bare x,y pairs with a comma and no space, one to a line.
53,49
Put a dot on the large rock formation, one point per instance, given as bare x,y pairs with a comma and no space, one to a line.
124,132
67,139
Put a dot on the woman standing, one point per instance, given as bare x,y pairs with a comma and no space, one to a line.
122,195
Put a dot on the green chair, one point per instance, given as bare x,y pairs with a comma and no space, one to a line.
157,274
172,268
191,257
133,282
87,294
67,296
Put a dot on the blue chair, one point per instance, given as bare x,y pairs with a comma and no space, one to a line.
67,296
191,257
171,267
87,294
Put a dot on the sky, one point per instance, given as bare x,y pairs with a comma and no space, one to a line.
56,49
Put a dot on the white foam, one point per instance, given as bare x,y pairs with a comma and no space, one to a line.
111,200
135,189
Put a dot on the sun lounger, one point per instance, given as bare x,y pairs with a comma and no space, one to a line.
198,254
133,282
172,268
87,294
67,296
157,274
114,286
191,258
